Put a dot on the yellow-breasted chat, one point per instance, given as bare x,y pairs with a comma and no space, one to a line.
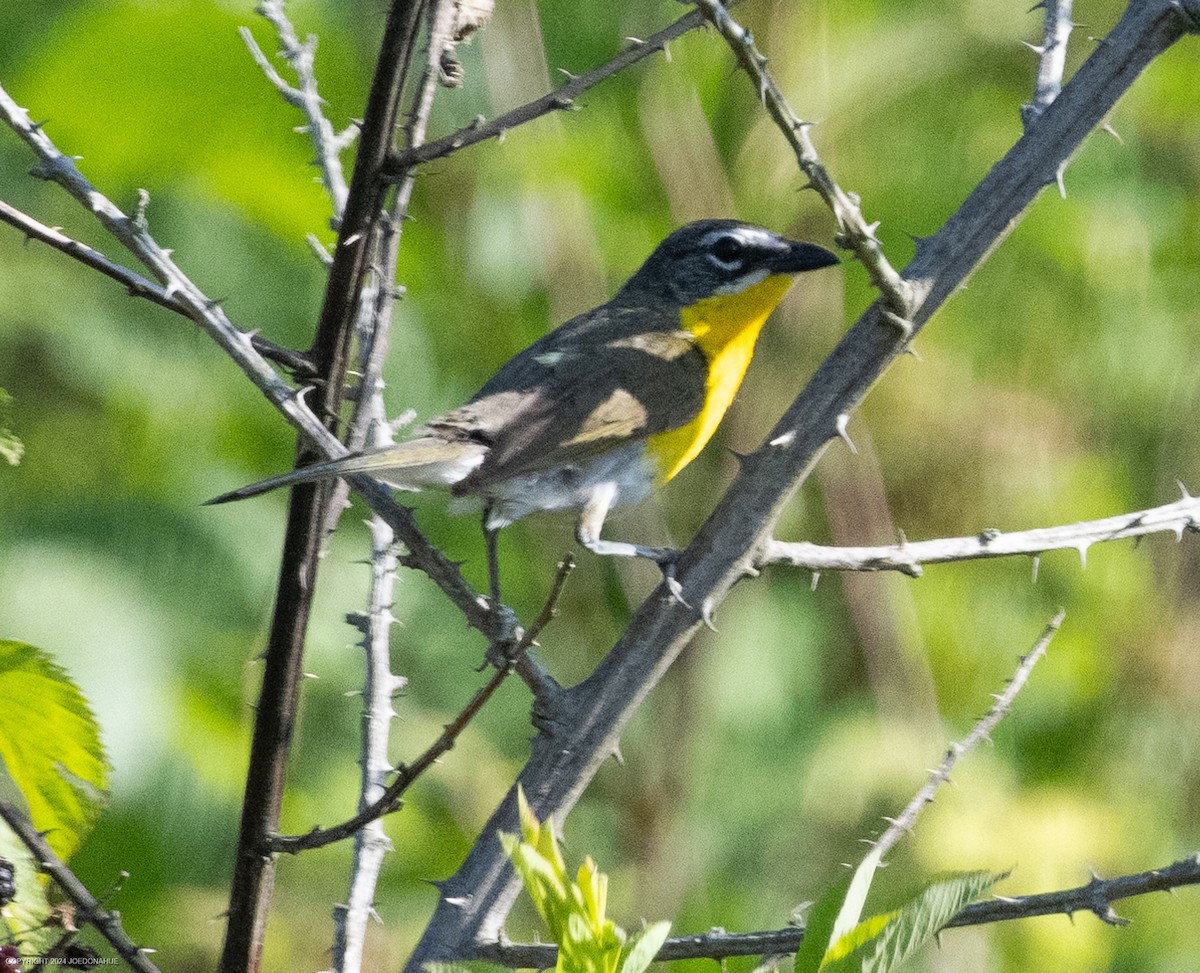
611,404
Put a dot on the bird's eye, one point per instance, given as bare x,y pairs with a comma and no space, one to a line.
728,252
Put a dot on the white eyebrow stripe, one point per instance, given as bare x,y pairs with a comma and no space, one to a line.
750,235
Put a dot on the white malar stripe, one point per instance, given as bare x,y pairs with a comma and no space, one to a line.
744,282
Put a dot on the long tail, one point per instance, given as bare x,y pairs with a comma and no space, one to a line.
414,465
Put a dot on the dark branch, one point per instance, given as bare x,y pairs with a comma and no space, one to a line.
407,774
87,908
1096,897
402,163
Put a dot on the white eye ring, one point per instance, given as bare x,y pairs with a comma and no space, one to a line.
734,257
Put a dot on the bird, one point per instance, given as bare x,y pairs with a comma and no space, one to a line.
608,406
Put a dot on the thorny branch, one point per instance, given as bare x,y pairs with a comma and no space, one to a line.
908,557
1096,897
1052,57
494,622
855,233
407,774
87,908
563,98
902,824
327,144
309,517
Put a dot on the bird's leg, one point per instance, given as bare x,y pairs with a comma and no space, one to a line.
493,557
591,521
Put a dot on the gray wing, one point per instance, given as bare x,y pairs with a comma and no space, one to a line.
578,392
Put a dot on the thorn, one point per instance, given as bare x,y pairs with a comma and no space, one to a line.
909,349
1184,495
816,579
706,616
1082,547
843,420
789,437
1108,127
1037,49
1037,560
1058,177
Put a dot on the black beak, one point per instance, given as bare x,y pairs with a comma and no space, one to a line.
803,256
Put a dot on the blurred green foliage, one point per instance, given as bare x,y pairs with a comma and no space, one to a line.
1062,384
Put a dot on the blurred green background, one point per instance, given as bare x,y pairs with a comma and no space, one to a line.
1061,385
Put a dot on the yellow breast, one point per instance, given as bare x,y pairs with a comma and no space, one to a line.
726,329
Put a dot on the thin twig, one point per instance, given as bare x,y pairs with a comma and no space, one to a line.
87,907
138,286
908,557
903,824
1095,897
855,233
564,98
134,283
406,774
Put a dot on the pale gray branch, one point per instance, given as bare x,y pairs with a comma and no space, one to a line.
327,144
369,425
854,231
371,842
904,822
1052,57
908,557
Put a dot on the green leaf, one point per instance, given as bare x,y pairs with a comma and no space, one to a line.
11,448
644,946
51,746
835,914
818,930
857,937
856,895
915,923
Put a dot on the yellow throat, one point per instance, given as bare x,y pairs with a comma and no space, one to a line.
726,328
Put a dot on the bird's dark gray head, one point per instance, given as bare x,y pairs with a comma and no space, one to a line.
716,257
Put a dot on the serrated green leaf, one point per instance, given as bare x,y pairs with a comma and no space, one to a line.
856,938
644,946
916,922
51,746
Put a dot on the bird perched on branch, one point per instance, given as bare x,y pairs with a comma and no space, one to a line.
611,404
